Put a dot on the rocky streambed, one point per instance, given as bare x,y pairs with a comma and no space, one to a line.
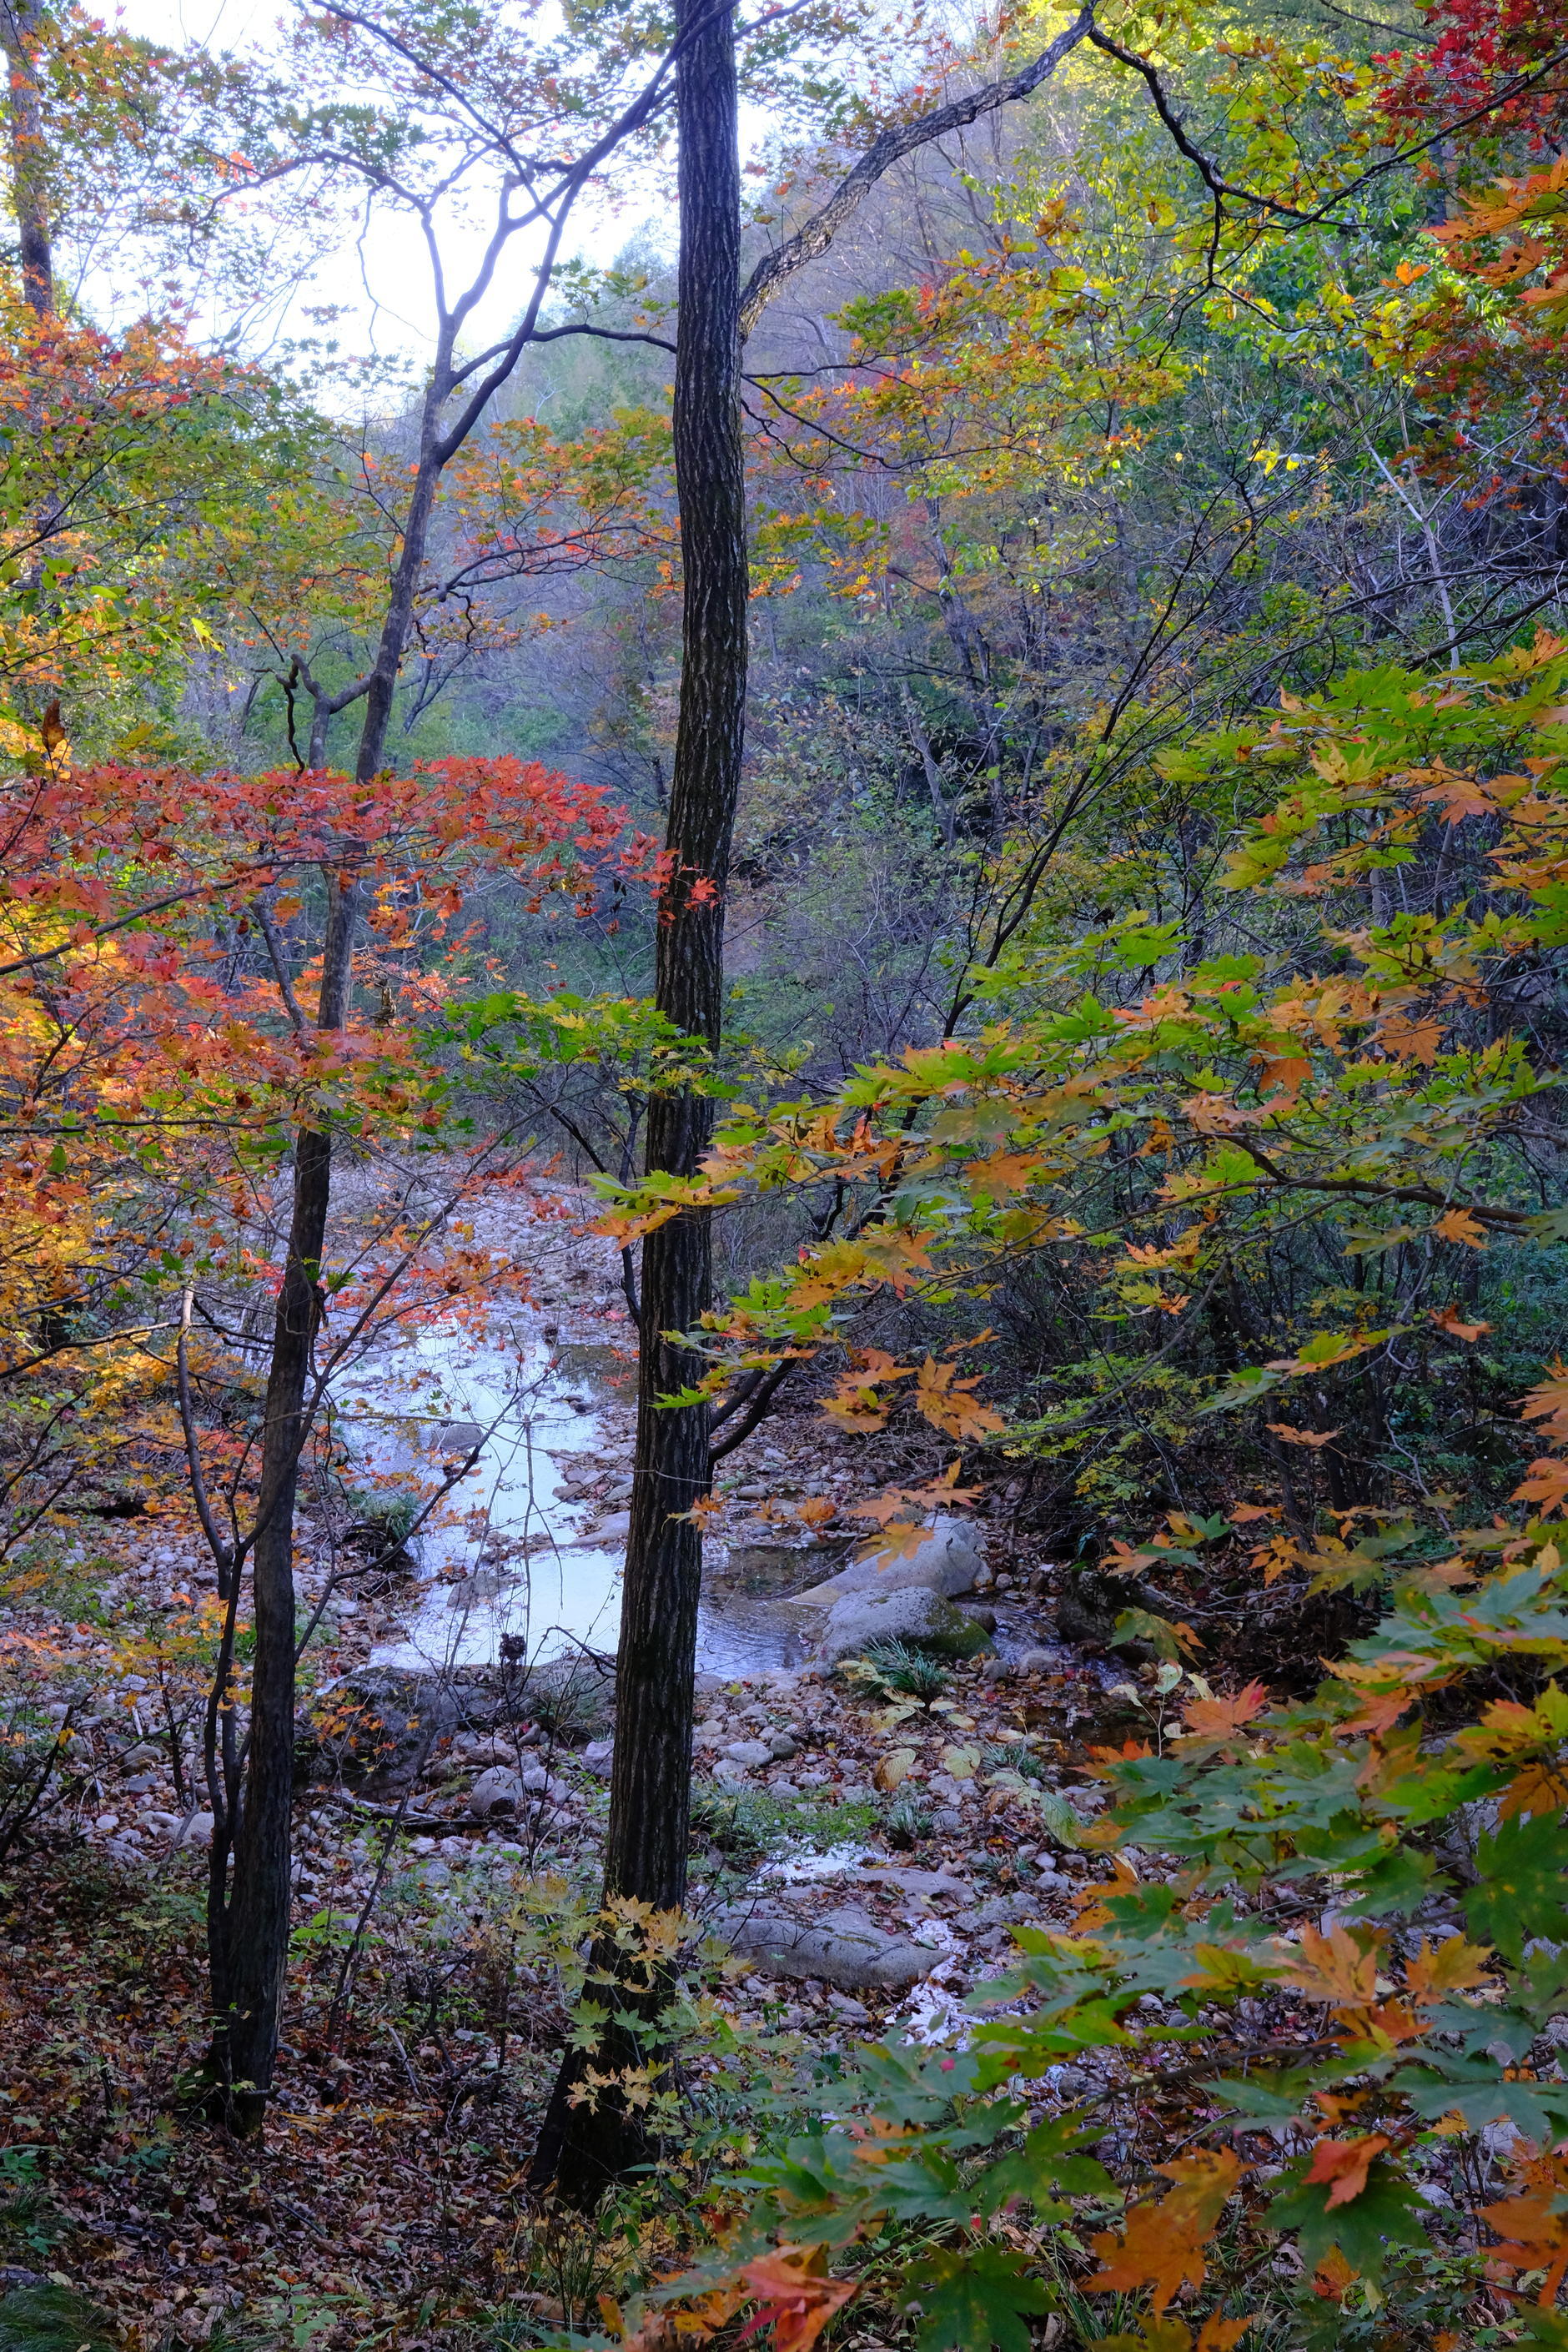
848,1844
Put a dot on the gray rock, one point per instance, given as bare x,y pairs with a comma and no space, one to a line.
946,1561
1035,1662
604,1534
781,1745
198,1830
482,1748
910,1613
751,1753
844,1949
499,1790
907,1878
599,1756
1002,1911
947,1821
481,1584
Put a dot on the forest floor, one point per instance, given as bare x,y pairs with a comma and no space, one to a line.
433,1952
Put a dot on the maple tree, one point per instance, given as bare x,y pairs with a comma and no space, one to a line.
172,1073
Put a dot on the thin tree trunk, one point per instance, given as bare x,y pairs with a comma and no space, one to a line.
20,24
250,1933
582,2149
247,1935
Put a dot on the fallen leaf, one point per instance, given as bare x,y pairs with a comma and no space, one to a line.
894,1769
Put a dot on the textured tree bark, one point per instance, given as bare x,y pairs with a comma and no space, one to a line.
583,2148
19,24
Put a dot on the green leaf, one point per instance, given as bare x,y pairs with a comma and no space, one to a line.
1400,1883
1143,1625
1478,2089
1271,2098
1522,1890
1384,2215
1549,2328
974,2296
1044,2169
1057,1817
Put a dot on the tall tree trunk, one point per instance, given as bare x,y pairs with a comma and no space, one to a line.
583,2148
20,21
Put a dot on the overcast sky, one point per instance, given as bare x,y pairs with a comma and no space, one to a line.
383,279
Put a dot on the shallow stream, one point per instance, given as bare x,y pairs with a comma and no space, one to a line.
511,1558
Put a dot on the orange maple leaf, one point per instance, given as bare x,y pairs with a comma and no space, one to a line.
1344,2165
1334,1967
857,1408
1334,2275
1459,1225
1529,1739
1161,2246
1217,2335
1378,1712
1535,2238
881,1508
1004,1171
899,1540
1548,1402
1314,1437
1447,1318
1410,1040
793,2298
1453,1966
941,1397
1218,1718
1547,1484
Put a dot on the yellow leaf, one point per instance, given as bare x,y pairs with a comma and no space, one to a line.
894,1769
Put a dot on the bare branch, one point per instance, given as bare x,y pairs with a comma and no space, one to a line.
899,139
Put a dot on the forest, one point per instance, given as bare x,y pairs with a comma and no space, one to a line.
784,1219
